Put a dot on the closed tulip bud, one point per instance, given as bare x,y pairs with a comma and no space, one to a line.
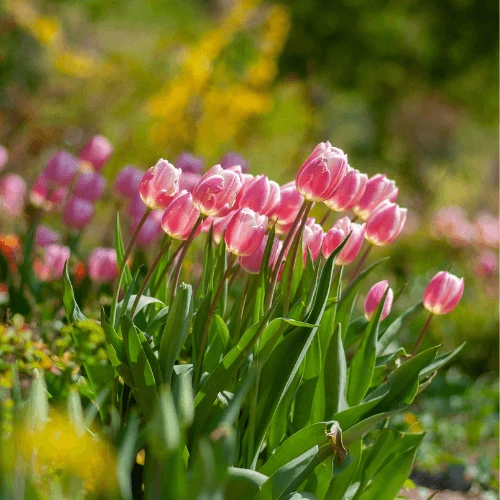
46,236
159,185
188,181
337,234
252,263
189,163
234,159
322,172
61,169
103,265
97,152
261,195
487,264
385,224
90,186
375,296
349,191
12,194
180,216
287,208
312,239
245,232
378,189
150,231
216,191
51,267
78,212
47,198
443,293
4,157
127,181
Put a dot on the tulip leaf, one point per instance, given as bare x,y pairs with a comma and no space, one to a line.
439,362
73,312
335,375
243,484
120,252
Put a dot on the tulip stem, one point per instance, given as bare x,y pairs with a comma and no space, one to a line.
150,272
325,217
167,267
422,333
360,264
240,312
177,272
121,271
213,305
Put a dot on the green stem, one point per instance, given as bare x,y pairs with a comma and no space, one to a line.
240,312
422,333
167,267
325,217
360,264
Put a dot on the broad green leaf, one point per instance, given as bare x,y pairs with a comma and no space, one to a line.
144,301
243,484
185,399
152,359
354,331
439,362
126,457
73,312
37,409
335,376
75,413
124,306
199,322
222,332
153,328
300,495
164,429
120,252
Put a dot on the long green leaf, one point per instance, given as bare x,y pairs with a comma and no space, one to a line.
335,376
120,252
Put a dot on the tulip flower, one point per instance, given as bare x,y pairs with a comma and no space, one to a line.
136,207
97,152
349,191
188,181
46,236
150,231
260,194
89,186
312,239
103,266
487,264
374,297
216,191
127,181
159,185
12,194
51,267
322,172
288,207
385,224
443,293
47,198
452,223
180,216
337,234
245,232
234,159
378,189
61,169
219,226
487,229
78,212
189,163
4,157
253,262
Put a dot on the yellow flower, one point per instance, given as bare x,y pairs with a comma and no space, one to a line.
75,64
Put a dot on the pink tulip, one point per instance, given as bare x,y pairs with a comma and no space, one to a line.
378,189
4,157
261,195
452,224
127,181
487,229
103,265
47,198
245,232
443,293
90,186
51,267
159,185
61,169
385,224
349,191
97,152
487,264
246,179
337,234
216,191
288,207
46,236
150,231
232,159
180,216
312,239
252,263
188,181
189,163
219,226
322,172
374,297
78,212
136,208
12,194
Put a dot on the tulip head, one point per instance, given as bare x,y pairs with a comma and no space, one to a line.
51,266
188,181
103,265
245,232
12,194
252,263
78,212
374,297
378,189
322,172
260,194
159,185
337,234
150,231
232,160
180,216
47,199
443,293
97,152
349,191
90,186
61,169
487,229
385,224
127,181
312,239
288,207
46,236
189,163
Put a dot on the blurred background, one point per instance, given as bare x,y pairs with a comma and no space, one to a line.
405,87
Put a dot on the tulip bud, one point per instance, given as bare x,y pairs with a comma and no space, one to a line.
47,199
51,267
150,231
103,265
188,181
61,169
233,159
127,181
97,152
261,195
159,185
252,263
245,232
12,194
288,207
349,191
4,157
312,239
378,189
375,296
337,234
487,264
180,217
90,186
46,236
189,163
216,191
443,293
322,172
78,213
452,224
487,229
385,224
